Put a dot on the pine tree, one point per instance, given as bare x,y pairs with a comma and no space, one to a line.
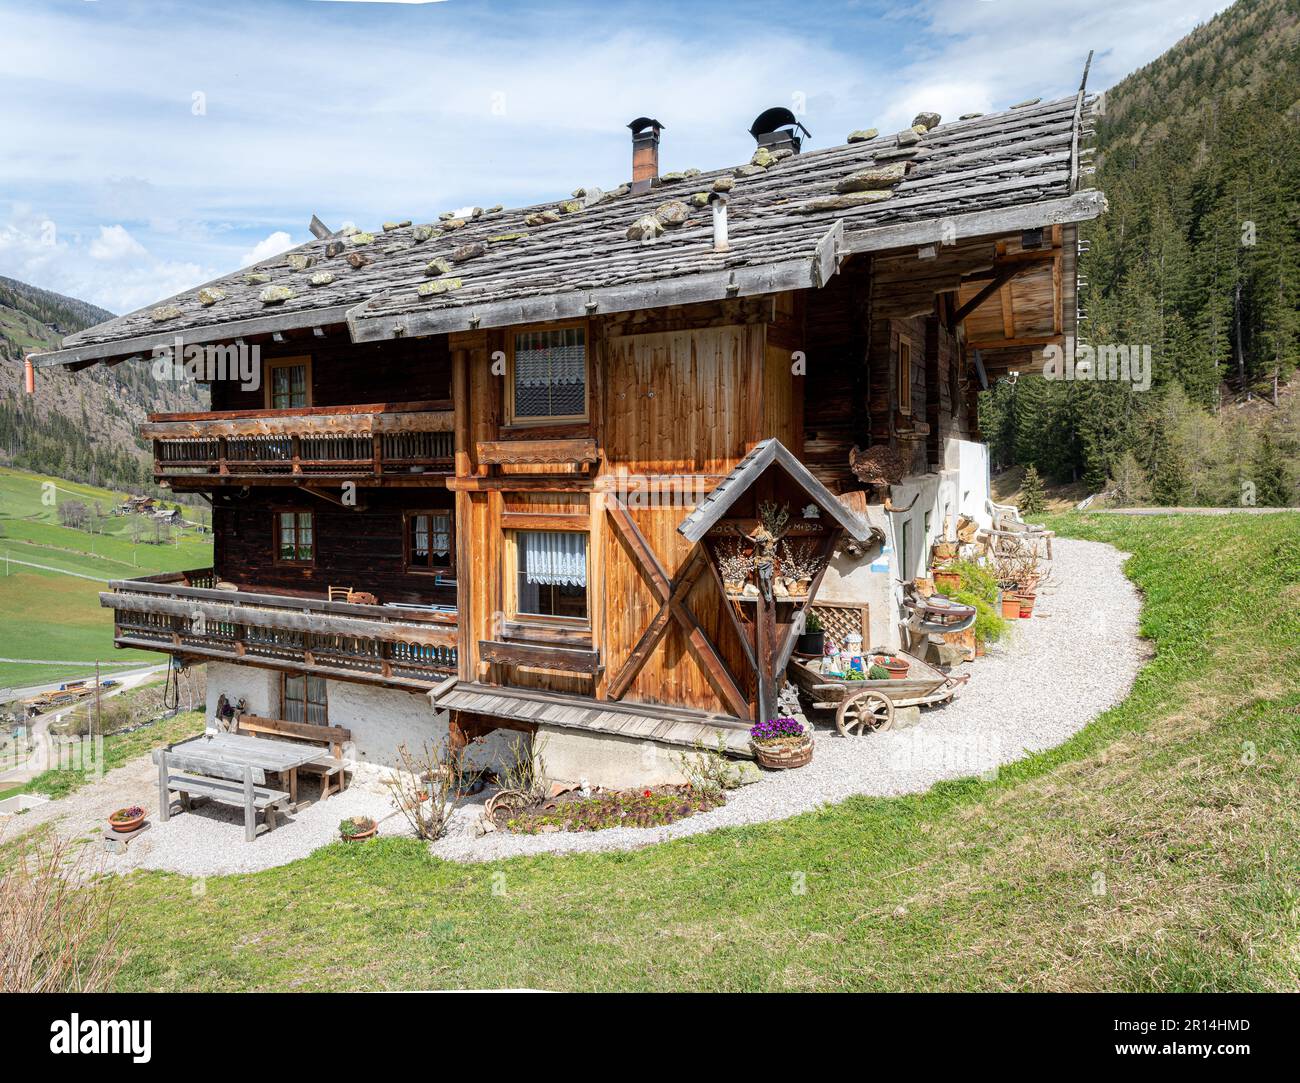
1032,497
1268,472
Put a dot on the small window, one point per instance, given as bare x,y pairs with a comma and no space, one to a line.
429,542
549,377
904,376
551,573
288,384
295,537
303,699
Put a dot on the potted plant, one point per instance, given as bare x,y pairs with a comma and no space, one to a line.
1010,605
781,743
126,820
1027,599
896,667
357,828
813,639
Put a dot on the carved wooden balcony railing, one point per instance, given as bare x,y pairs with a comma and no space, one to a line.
183,613
377,444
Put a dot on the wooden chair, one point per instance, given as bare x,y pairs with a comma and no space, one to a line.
340,594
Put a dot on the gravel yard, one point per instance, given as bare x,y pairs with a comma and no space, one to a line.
1075,658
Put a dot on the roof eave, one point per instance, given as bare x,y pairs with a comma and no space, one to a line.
140,345
1080,207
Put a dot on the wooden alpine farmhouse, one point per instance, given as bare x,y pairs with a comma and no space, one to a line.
492,465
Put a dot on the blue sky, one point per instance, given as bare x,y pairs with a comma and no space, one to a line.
150,146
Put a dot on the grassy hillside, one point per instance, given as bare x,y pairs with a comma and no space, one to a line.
52,612
1185,799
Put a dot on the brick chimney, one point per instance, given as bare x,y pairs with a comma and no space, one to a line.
645,153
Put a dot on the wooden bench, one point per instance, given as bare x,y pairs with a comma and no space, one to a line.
330,765
195,776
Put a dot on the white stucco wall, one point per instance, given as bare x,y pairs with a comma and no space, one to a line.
608,760
380,718
870,580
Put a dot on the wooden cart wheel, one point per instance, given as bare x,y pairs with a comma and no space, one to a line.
867,712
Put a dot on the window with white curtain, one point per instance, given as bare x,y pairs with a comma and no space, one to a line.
551,568
303,699
550,375
429,541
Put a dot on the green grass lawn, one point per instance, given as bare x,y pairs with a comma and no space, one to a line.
1155,850
48,615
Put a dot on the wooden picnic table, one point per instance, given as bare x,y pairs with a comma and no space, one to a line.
238,750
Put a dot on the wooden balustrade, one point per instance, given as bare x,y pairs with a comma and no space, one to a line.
377,444
183,613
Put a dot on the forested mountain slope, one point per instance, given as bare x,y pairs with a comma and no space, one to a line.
1197,257
82,425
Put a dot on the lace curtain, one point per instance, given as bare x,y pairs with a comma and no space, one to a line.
553,558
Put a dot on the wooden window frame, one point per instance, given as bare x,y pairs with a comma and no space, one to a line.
904,376
268,378
412,568
284,696
513,422
511,583
276,559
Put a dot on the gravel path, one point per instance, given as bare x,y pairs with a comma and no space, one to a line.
209,841
1074,659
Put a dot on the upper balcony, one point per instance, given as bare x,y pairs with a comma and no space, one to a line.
195,614
376,444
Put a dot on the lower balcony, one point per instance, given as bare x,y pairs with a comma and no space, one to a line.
384,444
185,614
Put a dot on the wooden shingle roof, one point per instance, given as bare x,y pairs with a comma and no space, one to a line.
789,226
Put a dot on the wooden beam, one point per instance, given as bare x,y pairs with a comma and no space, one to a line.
1001,276
564,659
1008,311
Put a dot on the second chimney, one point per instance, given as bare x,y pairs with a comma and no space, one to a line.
645,153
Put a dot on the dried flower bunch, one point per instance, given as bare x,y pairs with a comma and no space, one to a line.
733,565
800,560
774,517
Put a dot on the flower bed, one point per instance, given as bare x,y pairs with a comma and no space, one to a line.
612,808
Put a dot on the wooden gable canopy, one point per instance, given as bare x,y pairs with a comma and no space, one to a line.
767,614
764,454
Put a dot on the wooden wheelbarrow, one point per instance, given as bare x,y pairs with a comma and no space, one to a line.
863,707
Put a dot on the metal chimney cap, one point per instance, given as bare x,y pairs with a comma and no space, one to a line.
641,123
769,120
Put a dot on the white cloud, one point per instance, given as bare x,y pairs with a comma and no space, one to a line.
115,243
111,270
277,242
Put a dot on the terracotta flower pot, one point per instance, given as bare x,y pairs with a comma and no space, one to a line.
946,581
361,836
896,666
1027,605
128,823
1011,606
